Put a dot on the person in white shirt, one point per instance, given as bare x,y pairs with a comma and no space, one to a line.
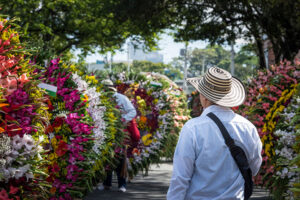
203,167
128,113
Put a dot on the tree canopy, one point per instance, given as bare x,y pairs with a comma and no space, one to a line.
199,60
57,26
106,24
147,66
225,21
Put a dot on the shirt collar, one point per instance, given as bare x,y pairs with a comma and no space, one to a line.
215,108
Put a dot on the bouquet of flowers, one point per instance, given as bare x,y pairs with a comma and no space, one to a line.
156,100
24,116
114,135
286,173
76,132
195,104
269,94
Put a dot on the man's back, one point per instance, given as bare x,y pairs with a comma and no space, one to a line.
203,165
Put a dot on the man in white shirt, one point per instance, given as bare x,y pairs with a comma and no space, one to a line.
204,168
128,113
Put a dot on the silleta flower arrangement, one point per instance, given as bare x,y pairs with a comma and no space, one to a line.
24,117
76,132
113,132
268,95
286,174
154,97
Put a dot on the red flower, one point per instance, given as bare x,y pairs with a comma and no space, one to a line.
3,195
55,168
13,190
62,148
50,106
58,122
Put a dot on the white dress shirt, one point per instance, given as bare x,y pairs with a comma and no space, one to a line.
204,168
127,109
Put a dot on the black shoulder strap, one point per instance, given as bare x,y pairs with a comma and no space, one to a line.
228,140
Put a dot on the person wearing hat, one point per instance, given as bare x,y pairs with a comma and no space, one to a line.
128,113
203,167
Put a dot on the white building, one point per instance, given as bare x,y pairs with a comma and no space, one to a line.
137,53
99,65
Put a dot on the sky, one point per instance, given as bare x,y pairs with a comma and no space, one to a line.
167,46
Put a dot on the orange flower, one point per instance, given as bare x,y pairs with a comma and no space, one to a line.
136,151
261,90
143,119
53,190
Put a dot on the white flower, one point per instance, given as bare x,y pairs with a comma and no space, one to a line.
29,175
9,159
5,146
2,163
28,142
17,142
18,173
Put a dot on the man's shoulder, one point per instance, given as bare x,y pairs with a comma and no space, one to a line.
197,121
240,119
119,95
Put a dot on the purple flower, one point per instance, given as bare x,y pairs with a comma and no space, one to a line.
62,188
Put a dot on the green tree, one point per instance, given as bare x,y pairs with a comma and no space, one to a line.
147,66
222,21
54,27
201,59
210,56
165,69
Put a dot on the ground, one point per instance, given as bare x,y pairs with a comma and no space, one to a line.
154,186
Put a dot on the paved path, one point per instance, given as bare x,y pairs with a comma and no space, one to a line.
154,186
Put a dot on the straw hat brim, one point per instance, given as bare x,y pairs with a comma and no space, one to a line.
112,88
235,97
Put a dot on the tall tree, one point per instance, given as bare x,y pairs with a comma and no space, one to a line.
222,21
57,26
201,59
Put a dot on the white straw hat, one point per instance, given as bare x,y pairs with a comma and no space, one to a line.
218,86
108,83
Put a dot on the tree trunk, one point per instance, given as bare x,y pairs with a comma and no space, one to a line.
261,55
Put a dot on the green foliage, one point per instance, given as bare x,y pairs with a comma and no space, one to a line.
55,27
201,59
146,66
224,21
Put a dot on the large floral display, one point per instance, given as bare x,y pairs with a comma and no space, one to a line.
24,117
79,123
270,107
195,104
161,111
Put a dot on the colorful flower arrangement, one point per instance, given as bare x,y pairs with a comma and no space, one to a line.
155,99
24,116
286,173
268,95
114,134
76,132
195,104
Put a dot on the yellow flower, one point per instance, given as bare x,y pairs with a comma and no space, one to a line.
73,68
52,156
267,149
263,139
57,129
85,98
147,139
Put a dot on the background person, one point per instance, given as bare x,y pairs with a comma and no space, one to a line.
203,165
128,113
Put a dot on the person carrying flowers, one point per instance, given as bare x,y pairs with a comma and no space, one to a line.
128,118
205,165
